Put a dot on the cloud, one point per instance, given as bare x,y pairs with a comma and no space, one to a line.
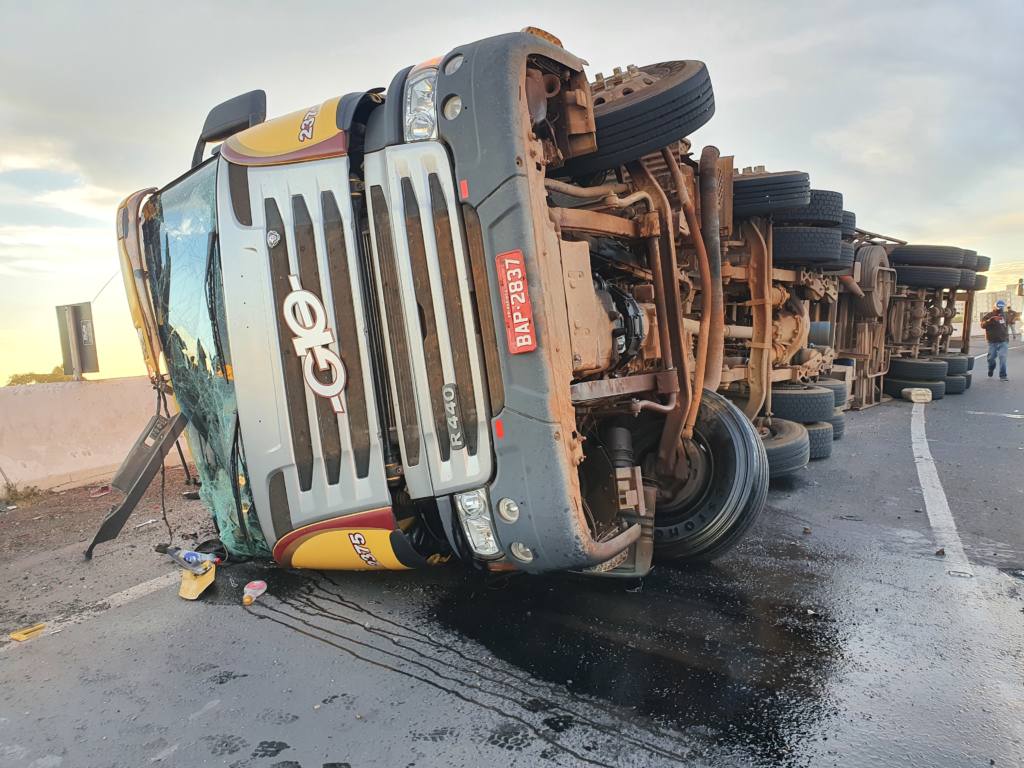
83,200
34,251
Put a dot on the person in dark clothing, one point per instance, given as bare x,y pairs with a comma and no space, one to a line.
997,331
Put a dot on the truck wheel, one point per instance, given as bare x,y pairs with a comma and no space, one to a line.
970,260
955,385
657,107
967,277
967,380
764,193
928,277
980,281
982,263
804,404
956,365
917,369
927,256
700,519
837,387
895,387
807,245
838,422
849,224
825,210
845,264
970,362
820,435
786,444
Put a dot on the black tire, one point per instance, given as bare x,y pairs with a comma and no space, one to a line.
927,256
820,436
877,288
786,445
764,193
928,277
970,362
957,365
955,385
804,404
970,259
825,209
980,281
837,387
838,422
806,245
736,490
967,380
655,115
967,278
982,263
845,264
895,387
918,369
849,224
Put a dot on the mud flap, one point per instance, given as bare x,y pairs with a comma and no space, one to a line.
137,471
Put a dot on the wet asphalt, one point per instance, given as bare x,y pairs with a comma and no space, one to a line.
834,635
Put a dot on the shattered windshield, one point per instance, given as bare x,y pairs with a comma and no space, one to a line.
183,259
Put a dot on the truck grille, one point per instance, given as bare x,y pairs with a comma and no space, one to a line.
423,283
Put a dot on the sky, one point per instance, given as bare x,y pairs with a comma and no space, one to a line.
913,110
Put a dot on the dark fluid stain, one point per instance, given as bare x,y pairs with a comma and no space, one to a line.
232,578
226,677
330,699
270,748
337,765
224,744
559,723
709,648
286,764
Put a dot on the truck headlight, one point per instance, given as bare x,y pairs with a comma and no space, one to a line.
420,105
474,513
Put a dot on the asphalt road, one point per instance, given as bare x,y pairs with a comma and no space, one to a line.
833,636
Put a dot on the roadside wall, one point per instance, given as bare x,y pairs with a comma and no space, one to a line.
71,433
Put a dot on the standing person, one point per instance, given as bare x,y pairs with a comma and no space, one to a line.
1012,317
997,330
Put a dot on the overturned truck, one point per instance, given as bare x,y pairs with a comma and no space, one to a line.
476,315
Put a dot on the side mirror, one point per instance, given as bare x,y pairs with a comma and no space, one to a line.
230,117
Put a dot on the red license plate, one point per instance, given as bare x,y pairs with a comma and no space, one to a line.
515,301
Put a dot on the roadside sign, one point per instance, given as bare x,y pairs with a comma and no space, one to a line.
77,339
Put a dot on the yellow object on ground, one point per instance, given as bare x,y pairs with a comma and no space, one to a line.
194,584
27,633
917,394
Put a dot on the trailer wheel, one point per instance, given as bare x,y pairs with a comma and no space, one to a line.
797,402
698,522
927,256
764,193
657,107
849,224
967,278
875,301
807,245
967,380
970,362
845,264
928,277
982,263
825,209
955,385
957,365
838,422
786,444
970,260
916,369
820,435
980,281
837,387
895,387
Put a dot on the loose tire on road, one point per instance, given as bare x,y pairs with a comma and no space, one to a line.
820,435
735,492
917,369
928,277
825,209
927,256
804,404
838,422
653,115
955,385
786,444
838,389
956,365
765,193
806,245
894,387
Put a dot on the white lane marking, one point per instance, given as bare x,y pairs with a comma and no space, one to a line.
115,600
992,413
935,502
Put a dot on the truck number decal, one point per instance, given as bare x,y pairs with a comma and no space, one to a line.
515,301
453,416
306,318
306,127
359,545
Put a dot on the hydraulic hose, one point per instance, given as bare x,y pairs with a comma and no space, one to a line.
711,232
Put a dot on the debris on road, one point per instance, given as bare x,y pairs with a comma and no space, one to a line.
940,552
100,491
253,590
194,584
27,633
147,522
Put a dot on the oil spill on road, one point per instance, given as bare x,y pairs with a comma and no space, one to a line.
696,651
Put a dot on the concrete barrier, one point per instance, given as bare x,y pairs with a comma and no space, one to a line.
71,433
